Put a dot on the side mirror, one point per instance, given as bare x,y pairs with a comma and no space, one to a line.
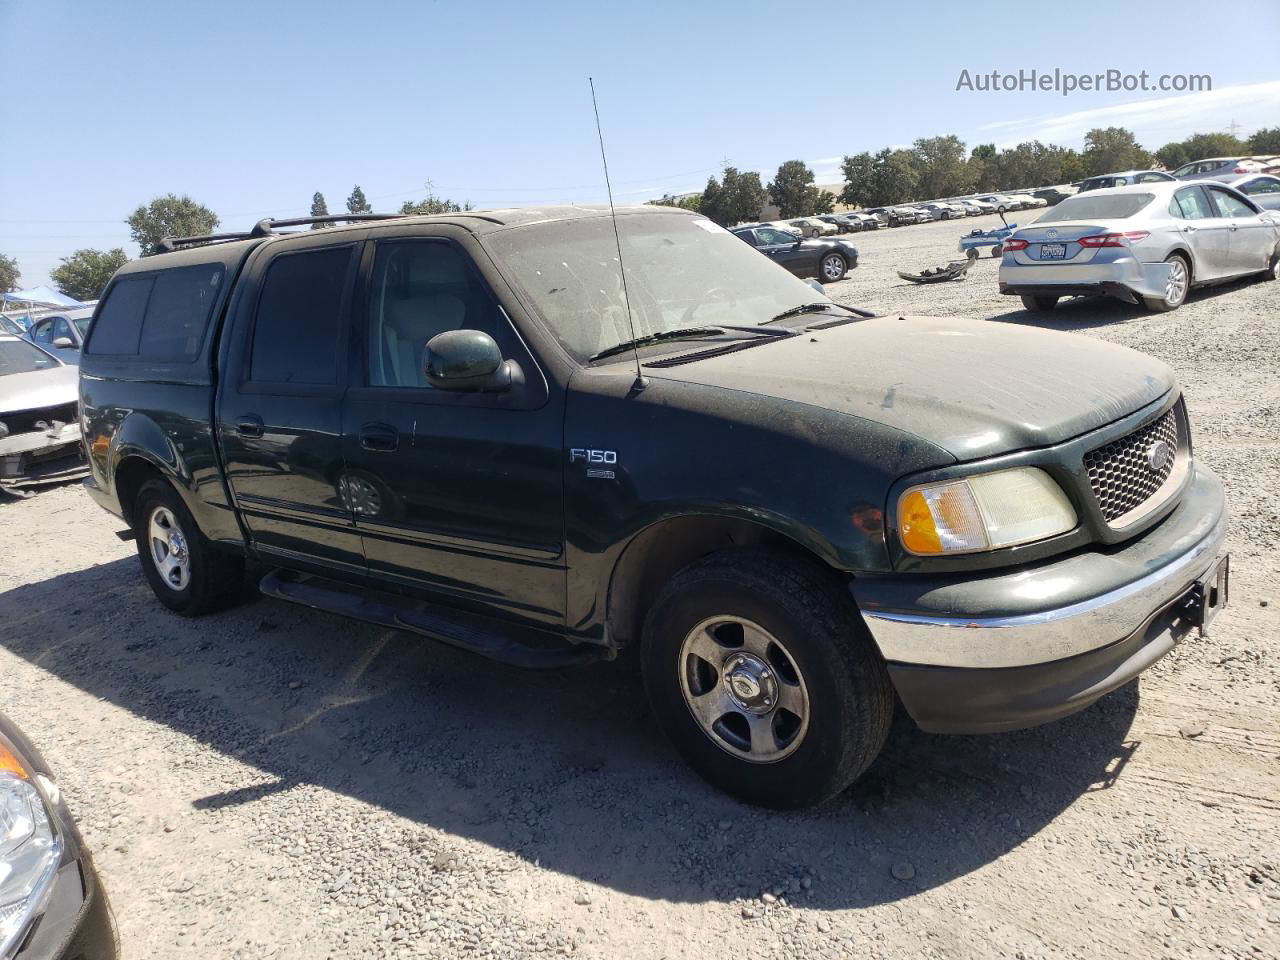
467,360
63,342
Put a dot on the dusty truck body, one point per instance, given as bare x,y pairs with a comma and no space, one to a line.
463,426
39,427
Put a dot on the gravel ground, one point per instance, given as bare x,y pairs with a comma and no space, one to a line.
273,782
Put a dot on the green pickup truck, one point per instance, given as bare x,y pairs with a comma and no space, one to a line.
798,514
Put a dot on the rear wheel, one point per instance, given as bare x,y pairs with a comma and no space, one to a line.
1175,288
759,668
186,574
1039,303
833,268
997,250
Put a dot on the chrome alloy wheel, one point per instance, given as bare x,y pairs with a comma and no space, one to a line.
744,689
360,496
169,550
1175,288
832,266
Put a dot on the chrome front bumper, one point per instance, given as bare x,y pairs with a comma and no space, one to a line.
1051,610
1007,650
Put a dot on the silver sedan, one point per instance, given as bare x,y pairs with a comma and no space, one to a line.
1148,243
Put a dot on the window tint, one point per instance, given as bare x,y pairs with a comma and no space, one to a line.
775,236
298,329
1191,204
420,289
747,236
178,312
1261,185
1229,206
120,318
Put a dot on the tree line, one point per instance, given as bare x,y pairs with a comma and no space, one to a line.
930,168
84,274
935,167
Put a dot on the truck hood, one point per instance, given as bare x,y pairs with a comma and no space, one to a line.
39,388
974,388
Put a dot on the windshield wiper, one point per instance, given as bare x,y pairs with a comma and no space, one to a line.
685,333
803,308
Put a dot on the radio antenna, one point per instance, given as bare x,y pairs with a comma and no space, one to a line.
617,238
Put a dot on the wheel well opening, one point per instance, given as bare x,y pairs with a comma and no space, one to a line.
662,550
132,473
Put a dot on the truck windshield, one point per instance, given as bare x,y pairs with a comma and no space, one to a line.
18,356
681,272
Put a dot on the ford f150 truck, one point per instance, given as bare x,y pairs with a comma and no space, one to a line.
482,428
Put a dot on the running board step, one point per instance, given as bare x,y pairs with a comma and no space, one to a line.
513,645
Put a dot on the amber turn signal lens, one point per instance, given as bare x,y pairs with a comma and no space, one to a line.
9,763
919,533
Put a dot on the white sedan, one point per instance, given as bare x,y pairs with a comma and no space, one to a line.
1149,243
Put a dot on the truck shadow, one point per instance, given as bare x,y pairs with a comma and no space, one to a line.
565,768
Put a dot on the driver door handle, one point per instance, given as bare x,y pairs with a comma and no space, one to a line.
249,426
379,437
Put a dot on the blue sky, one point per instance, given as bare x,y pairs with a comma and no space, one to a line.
250,107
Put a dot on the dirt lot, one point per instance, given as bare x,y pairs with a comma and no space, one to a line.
272,782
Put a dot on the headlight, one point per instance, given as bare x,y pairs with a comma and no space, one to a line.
986,512
30,849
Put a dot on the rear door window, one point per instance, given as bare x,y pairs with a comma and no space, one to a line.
120,318
1191,204
298,330
178,312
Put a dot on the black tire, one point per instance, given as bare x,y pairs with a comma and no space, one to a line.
997,250
808,611
1039,303
832,268
1273,271
1166,303
214,578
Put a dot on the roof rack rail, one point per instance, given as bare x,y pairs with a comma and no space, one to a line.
266,227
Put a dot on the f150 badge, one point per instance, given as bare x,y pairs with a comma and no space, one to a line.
597,461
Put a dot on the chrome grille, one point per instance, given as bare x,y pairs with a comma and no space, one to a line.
1121,473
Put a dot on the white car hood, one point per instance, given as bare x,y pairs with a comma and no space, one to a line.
39,388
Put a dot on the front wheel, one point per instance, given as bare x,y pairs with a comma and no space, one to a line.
1175,288
1273,271
759,668
186,574
833,268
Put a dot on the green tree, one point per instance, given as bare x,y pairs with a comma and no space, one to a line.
857,179
692,201
169,216
893,178
1202,145
940,167
85,273
1072,166
1265,141
319,209
793,192
356,203
433,204
9,274
982,166
738,197
1111,149
1172,155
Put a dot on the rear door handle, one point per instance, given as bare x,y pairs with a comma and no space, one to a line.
379,437
250,426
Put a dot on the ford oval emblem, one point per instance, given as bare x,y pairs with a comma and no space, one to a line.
1158,456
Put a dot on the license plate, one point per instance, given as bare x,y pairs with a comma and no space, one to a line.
1053,251
1212,591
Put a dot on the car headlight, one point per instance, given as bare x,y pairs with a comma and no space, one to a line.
30,849
984,512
